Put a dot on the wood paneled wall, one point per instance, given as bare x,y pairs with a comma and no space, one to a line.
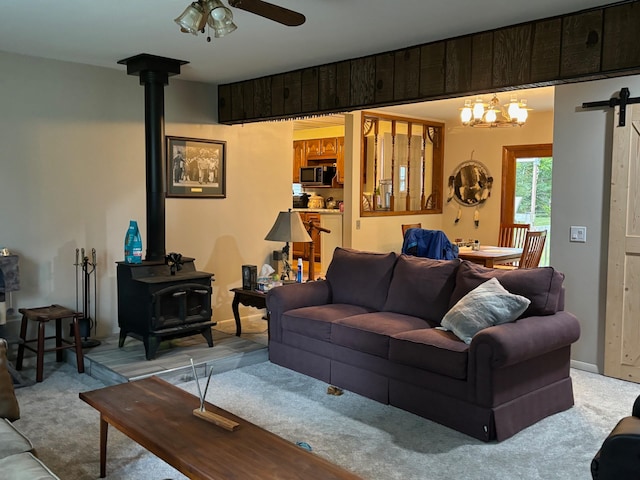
585,45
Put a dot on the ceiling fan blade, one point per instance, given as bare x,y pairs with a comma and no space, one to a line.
270,11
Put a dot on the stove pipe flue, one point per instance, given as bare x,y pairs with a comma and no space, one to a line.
154,73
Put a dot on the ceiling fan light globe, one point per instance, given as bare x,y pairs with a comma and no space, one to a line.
192,19
220,29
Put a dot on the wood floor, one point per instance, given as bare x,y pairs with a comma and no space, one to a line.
112,365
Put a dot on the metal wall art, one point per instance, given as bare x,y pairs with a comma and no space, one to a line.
471,186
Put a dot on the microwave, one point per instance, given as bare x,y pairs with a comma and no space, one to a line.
317,176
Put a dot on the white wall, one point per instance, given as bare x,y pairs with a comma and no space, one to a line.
72,174
581,189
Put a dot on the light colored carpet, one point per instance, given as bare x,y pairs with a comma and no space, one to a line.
373,440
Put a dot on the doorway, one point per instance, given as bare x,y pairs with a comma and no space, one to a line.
526,188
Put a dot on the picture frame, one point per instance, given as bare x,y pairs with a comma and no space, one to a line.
196,168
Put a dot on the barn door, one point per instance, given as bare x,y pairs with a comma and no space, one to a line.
622,331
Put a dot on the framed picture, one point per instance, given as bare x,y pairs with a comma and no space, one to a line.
196,168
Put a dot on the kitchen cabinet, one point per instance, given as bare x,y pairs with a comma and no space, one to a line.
322,147
317,152
302,249
299,158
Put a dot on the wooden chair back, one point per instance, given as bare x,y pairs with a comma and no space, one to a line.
407,226
532,250
513,234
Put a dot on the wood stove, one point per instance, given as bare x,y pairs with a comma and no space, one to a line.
155,305
157,301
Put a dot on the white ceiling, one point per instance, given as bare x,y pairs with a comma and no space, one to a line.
102,32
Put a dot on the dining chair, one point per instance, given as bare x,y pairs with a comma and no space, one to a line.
407,226
532,250
512,235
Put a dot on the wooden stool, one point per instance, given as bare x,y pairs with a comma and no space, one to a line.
42,315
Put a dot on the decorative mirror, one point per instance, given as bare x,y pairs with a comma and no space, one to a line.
470,184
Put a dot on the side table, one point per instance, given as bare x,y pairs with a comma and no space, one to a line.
250,298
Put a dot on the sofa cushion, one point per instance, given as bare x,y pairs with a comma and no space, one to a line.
543,285
315,322
25,466
369,333
487,305
360,278
430,349
422,287
9,407
12,441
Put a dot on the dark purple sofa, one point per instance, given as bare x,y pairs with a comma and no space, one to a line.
369,328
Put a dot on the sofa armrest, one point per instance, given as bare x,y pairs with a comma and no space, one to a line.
295,295
529,337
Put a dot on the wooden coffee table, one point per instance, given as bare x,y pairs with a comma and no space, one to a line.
159,416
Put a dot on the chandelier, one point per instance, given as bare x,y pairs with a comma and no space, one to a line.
210,13
492,114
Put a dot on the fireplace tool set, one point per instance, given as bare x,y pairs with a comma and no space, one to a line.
85,270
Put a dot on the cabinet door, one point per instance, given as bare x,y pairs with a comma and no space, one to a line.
329,146
314,147
340,160
299,159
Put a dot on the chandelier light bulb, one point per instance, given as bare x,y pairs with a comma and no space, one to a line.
514,109
478,109
466,114
523,115
490,116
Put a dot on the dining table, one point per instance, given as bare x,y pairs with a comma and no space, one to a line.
489,255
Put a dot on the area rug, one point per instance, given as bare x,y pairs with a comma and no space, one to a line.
373,440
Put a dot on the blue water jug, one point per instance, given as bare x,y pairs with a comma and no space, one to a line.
133,244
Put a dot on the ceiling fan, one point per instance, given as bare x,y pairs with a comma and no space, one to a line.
269,10
220,18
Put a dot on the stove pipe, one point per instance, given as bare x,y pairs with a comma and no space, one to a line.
154,74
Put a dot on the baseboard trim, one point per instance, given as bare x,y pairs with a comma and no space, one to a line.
587,367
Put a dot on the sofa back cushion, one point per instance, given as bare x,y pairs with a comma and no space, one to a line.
543,285
360,278
422,287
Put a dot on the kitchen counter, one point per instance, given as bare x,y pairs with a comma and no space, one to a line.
334,211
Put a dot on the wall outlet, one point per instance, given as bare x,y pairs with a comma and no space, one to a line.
357,224
578,234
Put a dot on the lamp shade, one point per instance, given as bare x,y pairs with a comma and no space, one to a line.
288,228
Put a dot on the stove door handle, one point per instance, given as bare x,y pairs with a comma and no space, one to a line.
202,292
179,294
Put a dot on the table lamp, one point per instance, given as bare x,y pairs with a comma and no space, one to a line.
288,228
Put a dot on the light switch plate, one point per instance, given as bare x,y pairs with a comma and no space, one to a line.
578,234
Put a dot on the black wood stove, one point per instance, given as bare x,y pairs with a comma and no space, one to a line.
157,301
154,305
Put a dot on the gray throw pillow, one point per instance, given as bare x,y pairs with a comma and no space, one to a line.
485,306
8,403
